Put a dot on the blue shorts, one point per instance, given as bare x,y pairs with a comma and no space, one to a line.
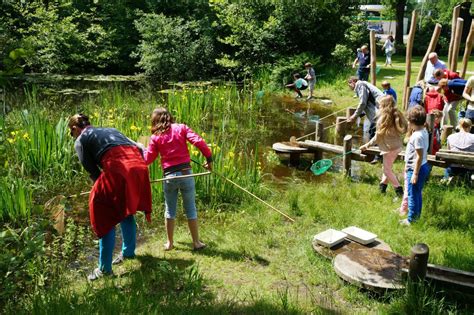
188,191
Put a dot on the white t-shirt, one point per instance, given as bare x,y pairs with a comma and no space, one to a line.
418,140
470,83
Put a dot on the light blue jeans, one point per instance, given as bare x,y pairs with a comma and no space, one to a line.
107,243
188,191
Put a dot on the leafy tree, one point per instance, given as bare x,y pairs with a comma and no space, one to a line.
174,48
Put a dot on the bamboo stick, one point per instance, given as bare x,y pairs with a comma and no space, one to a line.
431,48
457,42
456,11
411,37
373,58
467,50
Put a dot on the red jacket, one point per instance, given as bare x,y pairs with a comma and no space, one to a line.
433,100
451,74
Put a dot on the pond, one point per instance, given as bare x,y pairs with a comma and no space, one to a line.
239,122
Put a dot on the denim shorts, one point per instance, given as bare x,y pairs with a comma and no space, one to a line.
188,191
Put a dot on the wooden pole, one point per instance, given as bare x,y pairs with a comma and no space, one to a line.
373,58
316,132
341,126
346,159
411,37
456,11
467,50
457,42
431,48
418,262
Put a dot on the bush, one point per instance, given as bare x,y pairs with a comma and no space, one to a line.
173,48
284,69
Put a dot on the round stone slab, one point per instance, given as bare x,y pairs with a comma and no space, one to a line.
370,268
348,245
287,147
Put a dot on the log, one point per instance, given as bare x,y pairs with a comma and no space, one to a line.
373,58
411,37
418,262
456,11
341,128
447,130
431,48
450,158
457,152
457,42
467,50
346,159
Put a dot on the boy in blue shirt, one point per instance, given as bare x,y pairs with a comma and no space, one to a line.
387,90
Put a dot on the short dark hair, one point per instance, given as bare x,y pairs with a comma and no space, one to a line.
297,75
352,79
416,115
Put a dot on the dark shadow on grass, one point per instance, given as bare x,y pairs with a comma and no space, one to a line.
212,251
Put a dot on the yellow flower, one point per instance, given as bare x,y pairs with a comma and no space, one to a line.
203,134
230,155
11,140
133,128
96,115
26,136
13,133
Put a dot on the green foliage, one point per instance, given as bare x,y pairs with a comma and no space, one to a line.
283,70
16,202
173,48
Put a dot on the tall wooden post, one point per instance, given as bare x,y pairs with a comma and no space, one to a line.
431,48
467,50
457,42
373,58
347,159
340,128
418,262
456,11
411,37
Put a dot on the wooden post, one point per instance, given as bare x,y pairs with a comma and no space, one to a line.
321,132
457,42
431,48
318,155
373,58
430,122
418,262
467,50
456,11
447,130
346,159
341,126
294,159
411,37
350,111
316,132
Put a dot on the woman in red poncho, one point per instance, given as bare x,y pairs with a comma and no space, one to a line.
121,187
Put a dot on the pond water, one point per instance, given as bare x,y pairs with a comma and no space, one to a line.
279,117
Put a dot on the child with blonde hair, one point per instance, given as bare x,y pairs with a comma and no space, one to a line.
169,141
391,125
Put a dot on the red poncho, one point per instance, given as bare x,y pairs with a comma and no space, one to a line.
121,190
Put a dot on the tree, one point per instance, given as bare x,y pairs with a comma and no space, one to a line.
398,6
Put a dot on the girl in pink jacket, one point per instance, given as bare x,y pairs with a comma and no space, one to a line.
169,140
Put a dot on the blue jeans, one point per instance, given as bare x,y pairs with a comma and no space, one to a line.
363,74
188,191
107,243
414,191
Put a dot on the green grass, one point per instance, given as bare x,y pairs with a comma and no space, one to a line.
256,261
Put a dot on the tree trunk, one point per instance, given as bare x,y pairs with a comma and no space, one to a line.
400,13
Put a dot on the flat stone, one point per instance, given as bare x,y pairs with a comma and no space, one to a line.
370,268
348,245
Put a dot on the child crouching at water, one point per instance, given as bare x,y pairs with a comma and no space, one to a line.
416,165
390,126
169,140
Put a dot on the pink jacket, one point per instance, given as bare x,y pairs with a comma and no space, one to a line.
172,148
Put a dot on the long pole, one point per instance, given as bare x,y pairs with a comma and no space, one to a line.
457,42
411,37
467,50
456,11
373,58
248,192
431,48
